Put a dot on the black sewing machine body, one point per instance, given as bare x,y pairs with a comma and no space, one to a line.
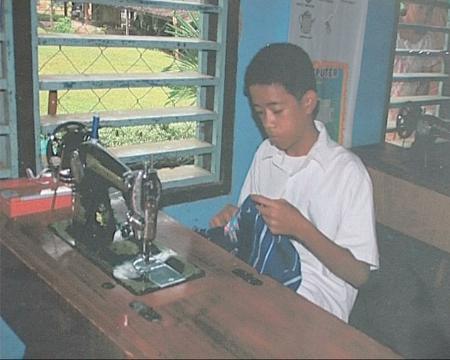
103,178
115,218
431,146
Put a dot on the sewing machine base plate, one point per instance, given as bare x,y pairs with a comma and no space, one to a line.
170,271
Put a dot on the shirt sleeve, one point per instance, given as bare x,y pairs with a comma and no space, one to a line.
357,228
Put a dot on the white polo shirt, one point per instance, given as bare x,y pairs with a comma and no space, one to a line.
332,188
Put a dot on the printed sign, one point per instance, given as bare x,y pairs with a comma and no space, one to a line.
332,79
332,32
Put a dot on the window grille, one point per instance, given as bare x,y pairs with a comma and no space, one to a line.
421,64
155,73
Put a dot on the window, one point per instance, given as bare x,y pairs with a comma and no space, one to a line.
155,72
8,130
420,82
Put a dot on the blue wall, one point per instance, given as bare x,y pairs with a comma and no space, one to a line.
11,346
265,21
368,123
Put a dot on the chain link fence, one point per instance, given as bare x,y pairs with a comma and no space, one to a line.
71,18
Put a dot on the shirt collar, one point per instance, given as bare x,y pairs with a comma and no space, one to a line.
321,151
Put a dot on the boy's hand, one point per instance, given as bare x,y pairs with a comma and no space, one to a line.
283,218
222,218
280,216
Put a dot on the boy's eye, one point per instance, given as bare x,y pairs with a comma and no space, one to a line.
260,113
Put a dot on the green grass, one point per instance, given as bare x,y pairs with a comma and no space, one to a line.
91,60
76,60
138,134
88,60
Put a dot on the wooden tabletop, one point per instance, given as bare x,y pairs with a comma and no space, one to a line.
216,316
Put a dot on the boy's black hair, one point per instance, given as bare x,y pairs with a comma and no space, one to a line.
285,64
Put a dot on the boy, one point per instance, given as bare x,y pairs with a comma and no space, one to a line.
305,186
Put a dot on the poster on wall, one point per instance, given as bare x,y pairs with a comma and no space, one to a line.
332,80
332,32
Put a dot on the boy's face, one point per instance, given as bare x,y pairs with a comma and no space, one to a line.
287,121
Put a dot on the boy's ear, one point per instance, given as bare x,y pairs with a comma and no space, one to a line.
309,101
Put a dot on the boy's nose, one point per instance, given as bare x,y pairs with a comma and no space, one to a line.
268,119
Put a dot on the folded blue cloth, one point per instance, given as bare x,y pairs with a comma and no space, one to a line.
248,237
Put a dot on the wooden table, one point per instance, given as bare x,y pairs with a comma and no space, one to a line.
216,316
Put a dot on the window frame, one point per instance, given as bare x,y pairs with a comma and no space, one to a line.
171,195
8,121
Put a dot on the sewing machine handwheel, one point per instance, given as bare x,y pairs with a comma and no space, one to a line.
65,138
405,127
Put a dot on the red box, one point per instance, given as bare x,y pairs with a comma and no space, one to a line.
19,197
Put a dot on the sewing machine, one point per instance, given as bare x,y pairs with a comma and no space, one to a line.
432,137
115,212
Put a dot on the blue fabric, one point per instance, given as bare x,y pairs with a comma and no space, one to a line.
249,238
